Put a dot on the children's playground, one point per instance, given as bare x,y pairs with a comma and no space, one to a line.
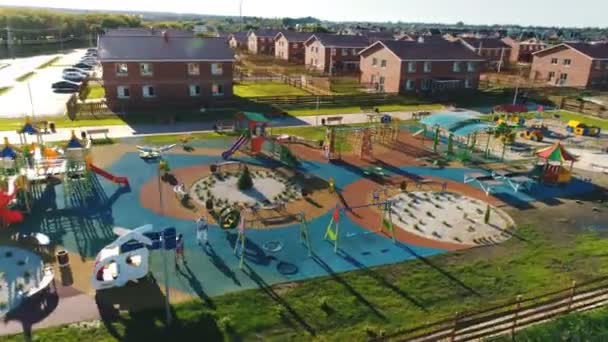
216,216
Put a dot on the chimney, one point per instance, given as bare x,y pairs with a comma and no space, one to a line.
165,36
421,39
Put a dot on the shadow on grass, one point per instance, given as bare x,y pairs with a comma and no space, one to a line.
34,310
278,299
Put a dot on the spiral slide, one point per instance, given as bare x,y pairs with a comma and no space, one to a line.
242,140
105,174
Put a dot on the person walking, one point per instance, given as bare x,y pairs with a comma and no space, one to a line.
179,250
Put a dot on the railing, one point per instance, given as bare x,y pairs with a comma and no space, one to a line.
510,317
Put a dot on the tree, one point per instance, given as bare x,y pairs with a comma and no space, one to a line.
245,182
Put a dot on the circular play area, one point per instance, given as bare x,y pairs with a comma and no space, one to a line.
20,272
268,188
451,217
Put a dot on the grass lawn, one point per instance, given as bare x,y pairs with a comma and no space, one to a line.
96,91
296,111
590,326
25,77
4,90
254,89
565,116
49,63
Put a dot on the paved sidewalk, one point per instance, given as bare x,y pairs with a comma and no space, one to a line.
127,131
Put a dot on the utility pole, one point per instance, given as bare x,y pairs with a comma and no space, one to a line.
241,15
502,55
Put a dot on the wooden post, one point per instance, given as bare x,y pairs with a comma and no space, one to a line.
572,294
515,315
454,326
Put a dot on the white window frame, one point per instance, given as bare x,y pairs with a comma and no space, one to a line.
411,66
468,83
554,61
217,69
426,84
410,84
218,85
194,69
551,76
192,90
428,66
567,62
471,66
148,95
118,68
457,66
333,51
383,63
354,52
150,70
375,62
120,92
344,52
372,79
382,80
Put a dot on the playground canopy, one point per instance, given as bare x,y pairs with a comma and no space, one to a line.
252,116
555,153
459,124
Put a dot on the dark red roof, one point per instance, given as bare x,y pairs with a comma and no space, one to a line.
341,40
294,36
413,50
597,51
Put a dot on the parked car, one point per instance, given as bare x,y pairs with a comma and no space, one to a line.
74,76
84,66
91,54
66,86
92,50
82,71
90,61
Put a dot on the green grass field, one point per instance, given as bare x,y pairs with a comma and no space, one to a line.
254,89
4,90
96,91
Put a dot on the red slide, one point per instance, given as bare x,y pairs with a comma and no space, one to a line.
105,174
7,216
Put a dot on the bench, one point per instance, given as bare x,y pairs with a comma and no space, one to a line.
104,131
333,120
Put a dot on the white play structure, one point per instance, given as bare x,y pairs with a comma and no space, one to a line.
153,152
116,265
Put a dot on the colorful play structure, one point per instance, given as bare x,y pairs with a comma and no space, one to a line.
24,169
579,128
361,138
550,167
464,129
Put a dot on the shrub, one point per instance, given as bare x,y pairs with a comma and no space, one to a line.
245,182
225,322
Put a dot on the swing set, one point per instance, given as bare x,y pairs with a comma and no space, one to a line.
332,232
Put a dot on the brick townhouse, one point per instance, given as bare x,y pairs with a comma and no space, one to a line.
153,71
289,46
521,51
581,65
261,42
419,67
238,40
332,53
494,50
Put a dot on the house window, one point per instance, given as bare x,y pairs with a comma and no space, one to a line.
383,63
123,92
409,85
426,84
411,67
457,67
471,66
145,69
344,52
374,62
381,80
354,52
333,51
598,65
194,69
468,83
148,91
428,66
563,78
122,69
372,79
217,69
551,75
567,62
194,90
554,61
217,89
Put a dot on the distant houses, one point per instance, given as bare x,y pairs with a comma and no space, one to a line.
289,46
261,42
521,51
494,50
332,53
238,40
581,65
149,71
419,67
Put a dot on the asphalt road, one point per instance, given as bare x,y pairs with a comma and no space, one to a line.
44,102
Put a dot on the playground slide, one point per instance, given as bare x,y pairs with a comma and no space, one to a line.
105,174
8,216
237,144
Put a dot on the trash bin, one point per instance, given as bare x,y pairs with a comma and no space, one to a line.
52,127
63,259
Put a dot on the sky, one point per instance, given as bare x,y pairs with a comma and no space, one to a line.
563,13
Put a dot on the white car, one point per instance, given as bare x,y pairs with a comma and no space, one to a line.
74,76
82,71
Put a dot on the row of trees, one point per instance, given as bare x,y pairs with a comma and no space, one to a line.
37,24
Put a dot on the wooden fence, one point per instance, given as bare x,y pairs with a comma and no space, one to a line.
359,99
510,317
585,107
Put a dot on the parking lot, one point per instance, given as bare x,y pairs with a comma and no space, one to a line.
17,102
